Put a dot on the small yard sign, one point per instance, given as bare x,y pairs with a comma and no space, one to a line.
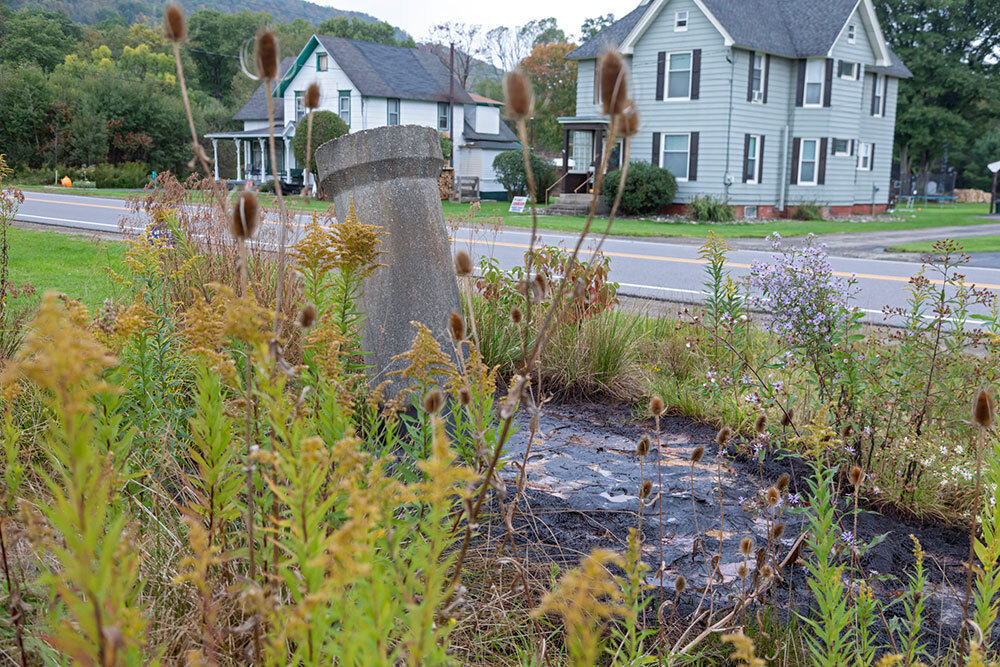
517,204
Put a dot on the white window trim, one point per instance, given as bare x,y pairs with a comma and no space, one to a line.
690,71
763,77
340,99
756,160
822,85
881,85
687,152
865,151
300,105
855,69
815,160
686,18
852,34
845,153
445,116
399,110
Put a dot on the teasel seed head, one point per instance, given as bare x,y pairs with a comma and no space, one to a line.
628,121
783,481
742,571
244,222
312,96
614,87
698,452
760,425
433,401
457,327
857,475
773,496
541,285
777,531
680,584
516,315
307,316
267,54
465,396
982,409
647,488
517,95
722,437
787,418
766,572
174,28
463,263
746,546
846,432
656,406
643,447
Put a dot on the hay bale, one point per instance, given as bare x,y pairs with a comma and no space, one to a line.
972,196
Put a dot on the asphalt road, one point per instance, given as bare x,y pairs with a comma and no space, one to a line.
656,269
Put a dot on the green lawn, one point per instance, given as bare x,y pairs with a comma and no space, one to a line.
975,244
928,216
73,265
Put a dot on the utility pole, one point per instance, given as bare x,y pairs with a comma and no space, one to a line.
451,106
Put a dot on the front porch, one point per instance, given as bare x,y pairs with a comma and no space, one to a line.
253,155
583,148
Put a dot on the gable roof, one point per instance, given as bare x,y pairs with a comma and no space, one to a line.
789,28
505,136
380,70
255,108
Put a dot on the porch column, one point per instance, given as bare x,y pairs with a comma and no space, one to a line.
565,169
239,160
288,160
215,158
263,161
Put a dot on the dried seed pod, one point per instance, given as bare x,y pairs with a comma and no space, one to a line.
267,54
643,447
614,88
628,121
463,263
680,584
244,221
579,290
760,425
698,452
518,95
647,488
777,531
856,476
433,401
746,546
656,406
847,432
742,571
515,315
457,327
541,285
982,409
773,496
787,418
722,437
766,572
312,96
307,316
783,481
465,396
174,28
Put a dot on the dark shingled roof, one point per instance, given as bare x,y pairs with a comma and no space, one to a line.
380,70
506,139
256,107
790,28
897,69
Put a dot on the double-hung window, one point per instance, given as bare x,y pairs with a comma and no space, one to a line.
300,105
865,151
753,159
757,83
679,76
681,21
677,155
392,111
809,162
443,123
878,92
344,106
852,34
814,82
321,62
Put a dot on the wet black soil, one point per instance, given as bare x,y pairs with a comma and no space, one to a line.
582,492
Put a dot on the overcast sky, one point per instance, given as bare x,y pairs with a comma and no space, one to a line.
417,17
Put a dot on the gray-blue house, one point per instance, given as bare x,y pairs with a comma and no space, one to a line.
768,103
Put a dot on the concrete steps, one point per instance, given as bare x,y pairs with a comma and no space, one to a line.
576,204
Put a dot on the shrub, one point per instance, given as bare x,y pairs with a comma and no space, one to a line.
130,175
509,168
648,189
808,210
326,126
706,208
446,146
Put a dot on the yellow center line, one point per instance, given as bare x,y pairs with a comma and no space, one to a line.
76,203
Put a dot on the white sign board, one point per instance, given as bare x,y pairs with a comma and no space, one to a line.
517,204
995,167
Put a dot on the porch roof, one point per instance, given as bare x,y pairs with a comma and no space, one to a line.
584,122
259,133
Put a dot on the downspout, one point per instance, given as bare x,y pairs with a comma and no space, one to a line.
784,168
726,179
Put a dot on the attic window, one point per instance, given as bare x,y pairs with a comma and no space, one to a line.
852,34
681,21
320,62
